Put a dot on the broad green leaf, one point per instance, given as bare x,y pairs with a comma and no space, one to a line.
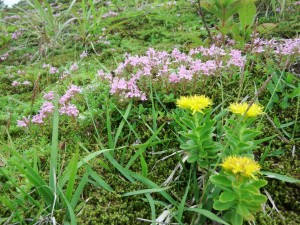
247,15
227,196
220,206
236,219
243,211
259,183
220,179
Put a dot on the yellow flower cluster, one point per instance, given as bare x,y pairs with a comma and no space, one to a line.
240,109
241,166
194,103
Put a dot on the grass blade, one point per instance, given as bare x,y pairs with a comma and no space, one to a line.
208,214
145,191
72,167
54,147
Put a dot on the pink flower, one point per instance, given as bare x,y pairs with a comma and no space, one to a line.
70,110
4,56
16,34
236,58
83,55
47,108
23,122
53,70
37,119
74,67
49,95
15,83
26,82
73,89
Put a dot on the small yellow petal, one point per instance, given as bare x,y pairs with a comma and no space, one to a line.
194,103
240,109
241,166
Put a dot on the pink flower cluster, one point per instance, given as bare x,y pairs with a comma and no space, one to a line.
109,14
74,67
83,55
52,69
4,56
47,109
284,47
17,83
16,34
169,69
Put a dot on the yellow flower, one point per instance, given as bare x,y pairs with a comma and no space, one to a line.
242,166
194,103
240,108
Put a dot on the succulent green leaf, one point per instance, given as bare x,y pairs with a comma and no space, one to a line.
236,219
243,211
227,196
220,179
220,206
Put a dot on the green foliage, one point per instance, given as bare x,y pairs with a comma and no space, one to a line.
239,198
240,137
225,10
200,146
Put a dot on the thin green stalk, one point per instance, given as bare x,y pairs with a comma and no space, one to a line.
296,119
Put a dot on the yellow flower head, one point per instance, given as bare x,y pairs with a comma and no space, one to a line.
194,103
241,166
240,109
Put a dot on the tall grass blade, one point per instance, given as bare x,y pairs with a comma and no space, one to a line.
72,167
208,214
54,148
99,180
152,207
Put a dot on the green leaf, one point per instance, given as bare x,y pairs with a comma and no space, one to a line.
243,211
54,148
227,196
236,219
145,191
220,179
151,184
247,15
144,165
79,190
280,177
182,203
259,183
99,180
152,207
208,214
73,171
295,93
223,206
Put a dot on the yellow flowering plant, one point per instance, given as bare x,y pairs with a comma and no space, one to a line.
198,129
209,142
240,135
240,196
244,109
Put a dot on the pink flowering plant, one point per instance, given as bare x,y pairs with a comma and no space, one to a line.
47,108
170,71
